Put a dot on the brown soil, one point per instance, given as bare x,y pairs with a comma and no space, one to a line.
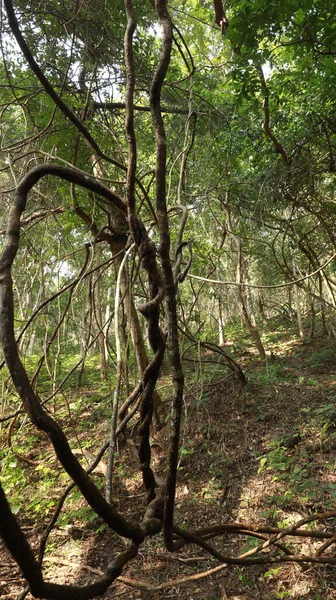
235,466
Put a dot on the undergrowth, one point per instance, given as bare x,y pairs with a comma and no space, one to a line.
278,435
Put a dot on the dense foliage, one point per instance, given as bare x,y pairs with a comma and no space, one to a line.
169,169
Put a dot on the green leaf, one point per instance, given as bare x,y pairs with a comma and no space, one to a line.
272,572
263,462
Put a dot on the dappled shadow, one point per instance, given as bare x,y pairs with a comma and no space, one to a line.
234,466
226,434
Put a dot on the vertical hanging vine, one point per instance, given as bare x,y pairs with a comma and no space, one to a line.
164,251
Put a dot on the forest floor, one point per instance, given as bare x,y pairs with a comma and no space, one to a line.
261,454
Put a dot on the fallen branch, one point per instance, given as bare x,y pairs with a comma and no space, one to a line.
140,584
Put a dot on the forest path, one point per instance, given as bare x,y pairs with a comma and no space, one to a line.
240,461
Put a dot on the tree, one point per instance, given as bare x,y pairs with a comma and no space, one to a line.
132,151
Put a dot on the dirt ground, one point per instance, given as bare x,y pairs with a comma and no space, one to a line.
263,454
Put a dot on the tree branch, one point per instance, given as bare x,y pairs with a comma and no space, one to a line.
164,250
67,112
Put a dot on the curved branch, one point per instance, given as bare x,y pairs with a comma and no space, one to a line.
267,128
65,173
38,416
266,287
67,112
22,553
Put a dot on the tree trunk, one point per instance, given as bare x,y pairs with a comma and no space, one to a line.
297,303
254,332
260,307
97,296
221,324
